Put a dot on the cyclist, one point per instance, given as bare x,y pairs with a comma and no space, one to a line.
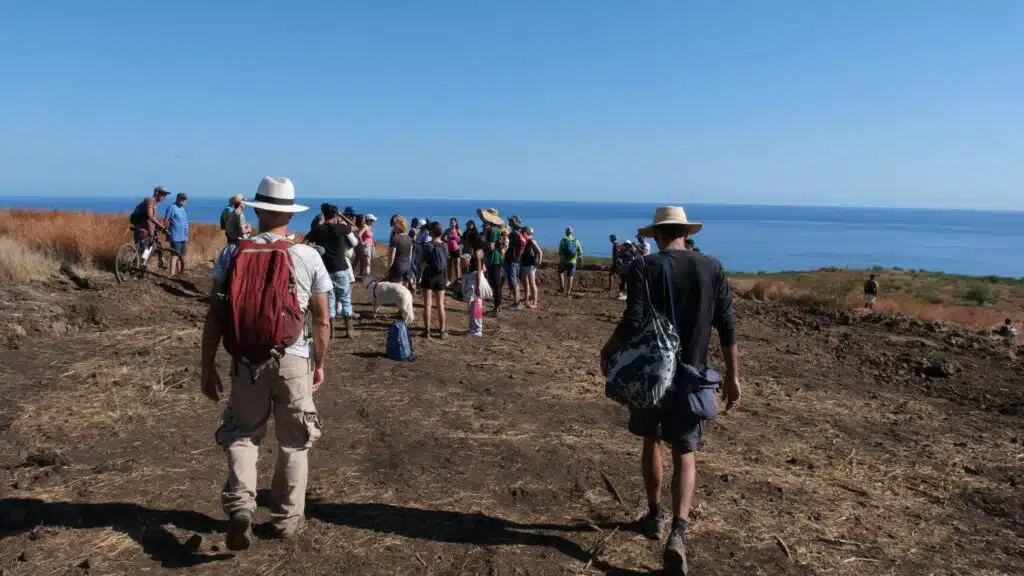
144,220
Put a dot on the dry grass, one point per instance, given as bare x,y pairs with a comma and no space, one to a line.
92,239
19,263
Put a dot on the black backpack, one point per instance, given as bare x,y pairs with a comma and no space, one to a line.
436,257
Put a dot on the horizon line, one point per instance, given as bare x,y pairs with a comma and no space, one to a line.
635,202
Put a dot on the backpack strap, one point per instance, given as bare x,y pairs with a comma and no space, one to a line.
666,266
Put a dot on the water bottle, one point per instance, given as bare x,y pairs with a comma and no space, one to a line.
477,309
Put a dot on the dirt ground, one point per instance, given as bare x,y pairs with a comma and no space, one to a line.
865,445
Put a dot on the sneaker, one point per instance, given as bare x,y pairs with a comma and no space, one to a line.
239,531
651,525
516,306
622,296
289,532
675,556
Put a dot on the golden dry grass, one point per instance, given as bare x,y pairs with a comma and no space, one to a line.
92,239
19,263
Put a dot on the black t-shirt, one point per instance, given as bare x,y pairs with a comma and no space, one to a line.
703,300
530,254
402,244
871,288
515,243
334,240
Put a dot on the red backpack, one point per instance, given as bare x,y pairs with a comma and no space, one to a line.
262,304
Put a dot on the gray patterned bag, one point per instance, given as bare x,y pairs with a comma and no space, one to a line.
641,373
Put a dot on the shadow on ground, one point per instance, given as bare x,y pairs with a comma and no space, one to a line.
144,525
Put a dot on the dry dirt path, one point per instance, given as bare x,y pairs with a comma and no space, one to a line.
501,455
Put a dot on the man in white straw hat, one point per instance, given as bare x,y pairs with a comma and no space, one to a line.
269,308
692,291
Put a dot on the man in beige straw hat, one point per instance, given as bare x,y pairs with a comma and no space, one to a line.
700,298
269,308
493,254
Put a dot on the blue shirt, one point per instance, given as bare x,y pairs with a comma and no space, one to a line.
177,223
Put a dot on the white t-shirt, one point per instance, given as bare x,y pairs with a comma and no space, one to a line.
310,277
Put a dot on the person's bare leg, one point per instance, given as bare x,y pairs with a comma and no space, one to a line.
536,292
426,311
561,282
441,312
650,465
684,479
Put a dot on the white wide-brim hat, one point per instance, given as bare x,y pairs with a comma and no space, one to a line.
276,195
670,216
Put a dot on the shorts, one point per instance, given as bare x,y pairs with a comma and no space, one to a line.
869,298
569,269
401,272
434,282
454,255
512,273
681,431
181,248
528,271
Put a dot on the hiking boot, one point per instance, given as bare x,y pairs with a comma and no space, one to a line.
651,525
350,331
239,531
675,555
516,306
289,532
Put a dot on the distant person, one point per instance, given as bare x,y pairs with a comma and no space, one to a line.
475,288
366,251
435,264
613,273
691,245
452,239
493,256
870,292
628,253
144,219
319,219
335,237
400,254
700,299
225,214
1008,331
533,257
176,222
570,252
643,245
237,228
513,259
269,376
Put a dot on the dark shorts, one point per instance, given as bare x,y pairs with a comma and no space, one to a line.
512,273
567,269
681,431
433,282
454,255
181,248
401,272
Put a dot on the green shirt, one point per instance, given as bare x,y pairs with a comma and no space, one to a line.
494,236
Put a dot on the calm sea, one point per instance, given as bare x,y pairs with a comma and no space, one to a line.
744,238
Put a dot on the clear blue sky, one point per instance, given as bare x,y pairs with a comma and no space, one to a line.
868,102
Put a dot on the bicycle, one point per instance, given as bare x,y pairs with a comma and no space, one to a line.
130,264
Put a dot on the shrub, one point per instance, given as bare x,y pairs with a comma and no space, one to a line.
19,263
979,293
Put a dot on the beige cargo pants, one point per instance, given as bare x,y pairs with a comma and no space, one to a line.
284,390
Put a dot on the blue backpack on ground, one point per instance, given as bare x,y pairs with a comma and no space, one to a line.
399,345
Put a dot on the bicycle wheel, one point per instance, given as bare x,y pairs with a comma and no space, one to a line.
125,262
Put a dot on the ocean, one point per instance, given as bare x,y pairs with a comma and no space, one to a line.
745,238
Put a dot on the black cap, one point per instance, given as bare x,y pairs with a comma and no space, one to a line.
349,211
181,196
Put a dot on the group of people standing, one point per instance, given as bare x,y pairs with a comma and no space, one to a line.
473,262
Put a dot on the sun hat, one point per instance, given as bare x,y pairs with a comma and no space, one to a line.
515,222
161,190
349,211
370,218
669,216
276,195
235,199
490,216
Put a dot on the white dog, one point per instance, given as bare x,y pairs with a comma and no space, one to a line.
390,294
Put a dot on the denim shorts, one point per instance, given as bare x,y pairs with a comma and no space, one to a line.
512,273
528,271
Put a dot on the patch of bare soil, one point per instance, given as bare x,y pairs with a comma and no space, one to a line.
875,445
